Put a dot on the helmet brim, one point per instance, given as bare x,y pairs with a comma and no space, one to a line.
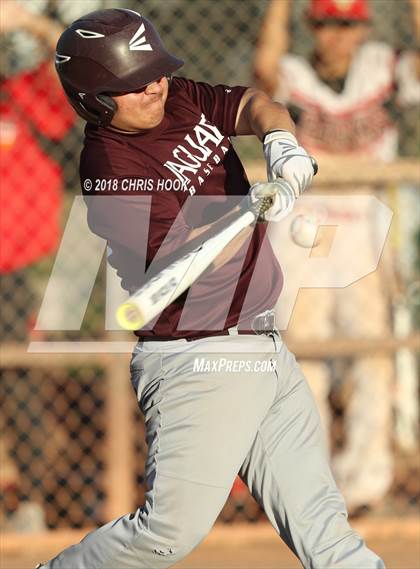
160,68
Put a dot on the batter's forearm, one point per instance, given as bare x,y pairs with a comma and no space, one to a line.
258,114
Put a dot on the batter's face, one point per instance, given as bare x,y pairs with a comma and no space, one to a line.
143,109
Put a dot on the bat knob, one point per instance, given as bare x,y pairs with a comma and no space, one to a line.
314,165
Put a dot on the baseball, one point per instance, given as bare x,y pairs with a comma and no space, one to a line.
303,230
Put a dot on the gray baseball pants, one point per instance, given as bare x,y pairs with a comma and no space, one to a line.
215,407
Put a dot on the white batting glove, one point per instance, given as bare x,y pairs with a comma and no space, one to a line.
283,201
286,159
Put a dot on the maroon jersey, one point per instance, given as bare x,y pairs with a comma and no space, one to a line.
145,192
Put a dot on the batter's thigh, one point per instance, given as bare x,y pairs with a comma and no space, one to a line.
287,472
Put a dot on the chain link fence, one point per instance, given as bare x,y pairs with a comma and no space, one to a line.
56,419
52,439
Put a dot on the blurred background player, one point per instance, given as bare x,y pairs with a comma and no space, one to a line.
33,109
343,99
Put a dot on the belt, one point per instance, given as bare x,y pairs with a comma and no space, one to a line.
263,323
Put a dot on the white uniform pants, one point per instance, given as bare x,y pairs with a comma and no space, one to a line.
207,418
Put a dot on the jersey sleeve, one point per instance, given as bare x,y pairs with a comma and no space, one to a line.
219,103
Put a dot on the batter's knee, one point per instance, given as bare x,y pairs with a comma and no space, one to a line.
168,539
182,543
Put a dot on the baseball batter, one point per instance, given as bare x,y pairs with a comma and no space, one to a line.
219,391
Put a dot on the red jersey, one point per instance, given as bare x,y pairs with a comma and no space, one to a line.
30,189
145,179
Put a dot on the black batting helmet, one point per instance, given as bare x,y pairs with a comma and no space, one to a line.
108,51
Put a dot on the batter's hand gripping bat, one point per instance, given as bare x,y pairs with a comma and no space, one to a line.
167,285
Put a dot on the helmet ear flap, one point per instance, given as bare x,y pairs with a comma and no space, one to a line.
84,111
98,109
108,108
108,102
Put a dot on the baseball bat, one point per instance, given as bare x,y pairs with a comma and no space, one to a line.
167,285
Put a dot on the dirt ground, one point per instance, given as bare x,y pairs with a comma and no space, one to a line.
398,553
274,555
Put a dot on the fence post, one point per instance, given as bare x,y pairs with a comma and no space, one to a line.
119,444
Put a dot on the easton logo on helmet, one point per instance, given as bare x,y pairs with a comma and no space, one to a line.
137,41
